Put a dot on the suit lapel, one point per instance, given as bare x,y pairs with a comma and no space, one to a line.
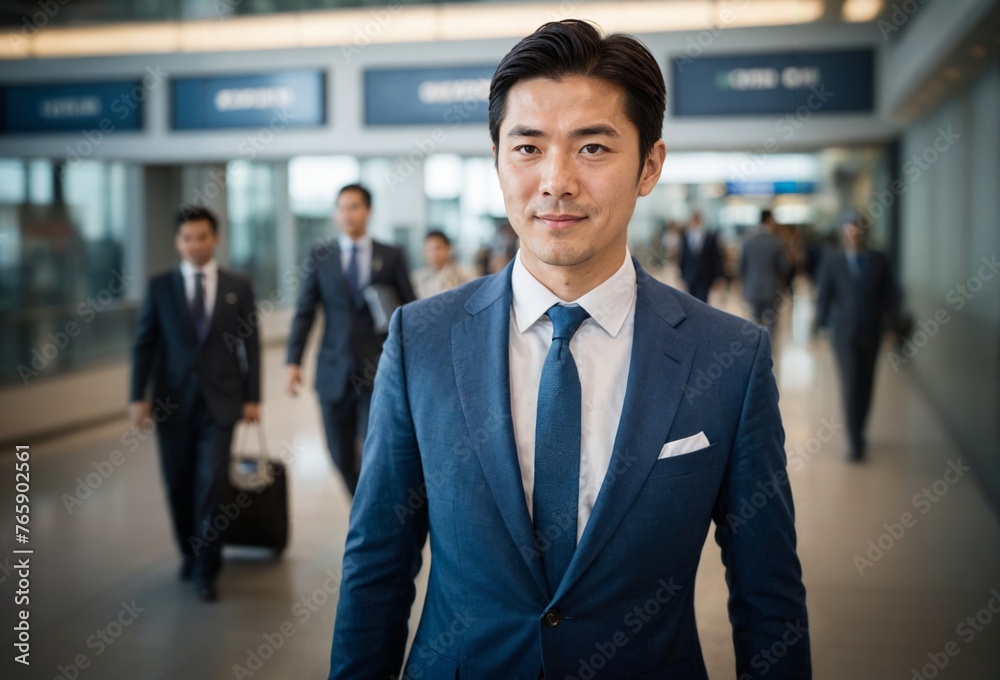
379,253
334,273
872,274
484,389
223,286
660,363
181,305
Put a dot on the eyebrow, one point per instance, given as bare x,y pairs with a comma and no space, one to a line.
590,131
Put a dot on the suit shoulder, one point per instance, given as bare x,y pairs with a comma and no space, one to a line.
708,324
237,277
447,305
394,254
728,326
388,247
162,279
321,251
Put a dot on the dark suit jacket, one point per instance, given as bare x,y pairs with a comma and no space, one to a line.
349,349
763,267
857,311
225,367
441,459
704,267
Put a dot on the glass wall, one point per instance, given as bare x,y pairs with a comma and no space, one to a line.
63,279
253,222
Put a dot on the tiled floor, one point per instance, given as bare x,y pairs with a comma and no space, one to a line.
111,559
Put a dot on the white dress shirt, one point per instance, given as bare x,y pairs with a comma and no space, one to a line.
602,350
211,272
696,238
364,257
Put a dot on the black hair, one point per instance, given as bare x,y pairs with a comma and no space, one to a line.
194,213
366,195
572,47
766,216
437,233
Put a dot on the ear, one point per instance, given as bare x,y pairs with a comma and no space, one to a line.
493,150
652,168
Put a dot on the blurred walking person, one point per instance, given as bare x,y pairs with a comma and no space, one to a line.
857,299
339,272
197,339
763,267
701,258
441,272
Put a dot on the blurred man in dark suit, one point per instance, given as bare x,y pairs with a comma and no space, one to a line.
197,338
349,350
701,258
857,299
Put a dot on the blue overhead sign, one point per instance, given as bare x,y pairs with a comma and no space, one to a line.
72,107
428,96
288,98
770,188
777,83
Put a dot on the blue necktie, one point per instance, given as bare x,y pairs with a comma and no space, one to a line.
353,274
198,316
557,448
859,266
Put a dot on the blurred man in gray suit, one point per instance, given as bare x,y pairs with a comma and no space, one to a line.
857,299
763,267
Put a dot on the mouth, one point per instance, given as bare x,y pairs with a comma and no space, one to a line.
560,221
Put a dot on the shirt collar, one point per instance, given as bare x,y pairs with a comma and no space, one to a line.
210,269
608,304
345,242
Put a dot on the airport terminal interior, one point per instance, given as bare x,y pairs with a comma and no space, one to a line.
116,113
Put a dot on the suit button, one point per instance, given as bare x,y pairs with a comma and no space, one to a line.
552,618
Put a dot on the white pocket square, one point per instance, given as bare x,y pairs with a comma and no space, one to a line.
679,447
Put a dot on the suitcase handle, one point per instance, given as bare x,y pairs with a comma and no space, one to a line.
261,440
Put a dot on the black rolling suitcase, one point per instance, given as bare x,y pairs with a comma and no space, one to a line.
258,496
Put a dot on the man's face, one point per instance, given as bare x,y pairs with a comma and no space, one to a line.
854,237
568,164
196,242
436,253
352,214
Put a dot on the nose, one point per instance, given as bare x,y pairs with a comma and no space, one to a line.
558,176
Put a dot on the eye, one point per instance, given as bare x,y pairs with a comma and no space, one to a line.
592,149
526,149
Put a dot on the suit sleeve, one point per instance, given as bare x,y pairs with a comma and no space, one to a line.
144,346
781,263
387,532
766,597
890,297
718,269
252,342
824,296
404,287
305,311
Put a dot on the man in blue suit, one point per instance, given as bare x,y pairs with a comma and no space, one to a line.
545,427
